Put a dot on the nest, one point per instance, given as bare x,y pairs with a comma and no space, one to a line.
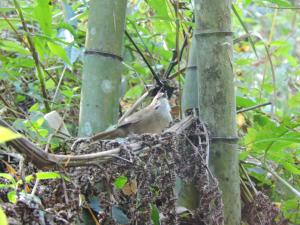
150,164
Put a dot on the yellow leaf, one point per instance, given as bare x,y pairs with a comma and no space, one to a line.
130,188
7,135
240,119
277,204
9,168
3,219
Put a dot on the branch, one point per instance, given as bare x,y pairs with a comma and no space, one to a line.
145,60
44,160
175,60
253,107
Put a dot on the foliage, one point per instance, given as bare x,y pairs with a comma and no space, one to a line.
270,135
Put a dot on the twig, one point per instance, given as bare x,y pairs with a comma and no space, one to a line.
8,106
253,107
276,7
245,28
134,107
176,60
36,184
58,85
145,60
279,178
205,162
247,176
35,57
142,40
177,73
283,181
65,190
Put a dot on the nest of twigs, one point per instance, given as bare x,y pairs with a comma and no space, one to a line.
148,163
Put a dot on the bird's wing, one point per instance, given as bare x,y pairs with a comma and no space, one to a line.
136,117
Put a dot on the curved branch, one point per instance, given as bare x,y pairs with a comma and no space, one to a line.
45,160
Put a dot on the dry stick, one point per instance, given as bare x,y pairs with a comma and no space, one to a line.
248,178
58,85
276,7
35,57
34,189
177,73
8,106
205,162
279,178
134,107
253,107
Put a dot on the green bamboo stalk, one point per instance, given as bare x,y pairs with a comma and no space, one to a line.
102,68
190,88
217,98
188,195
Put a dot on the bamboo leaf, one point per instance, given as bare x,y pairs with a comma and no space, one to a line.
58,51
42,13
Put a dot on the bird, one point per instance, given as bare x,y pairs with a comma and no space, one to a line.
154,118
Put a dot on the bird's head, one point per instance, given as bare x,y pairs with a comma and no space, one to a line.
160,101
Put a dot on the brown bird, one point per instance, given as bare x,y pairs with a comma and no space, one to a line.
154,118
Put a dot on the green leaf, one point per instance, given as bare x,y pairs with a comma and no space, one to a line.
12,197
290,210
120,182
291,168
13,46
42,13
23,62
50,85
243,61
34,107
7,135
134,92
119,216
244,102
155,215
3,219
68,92
58,51
44,176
